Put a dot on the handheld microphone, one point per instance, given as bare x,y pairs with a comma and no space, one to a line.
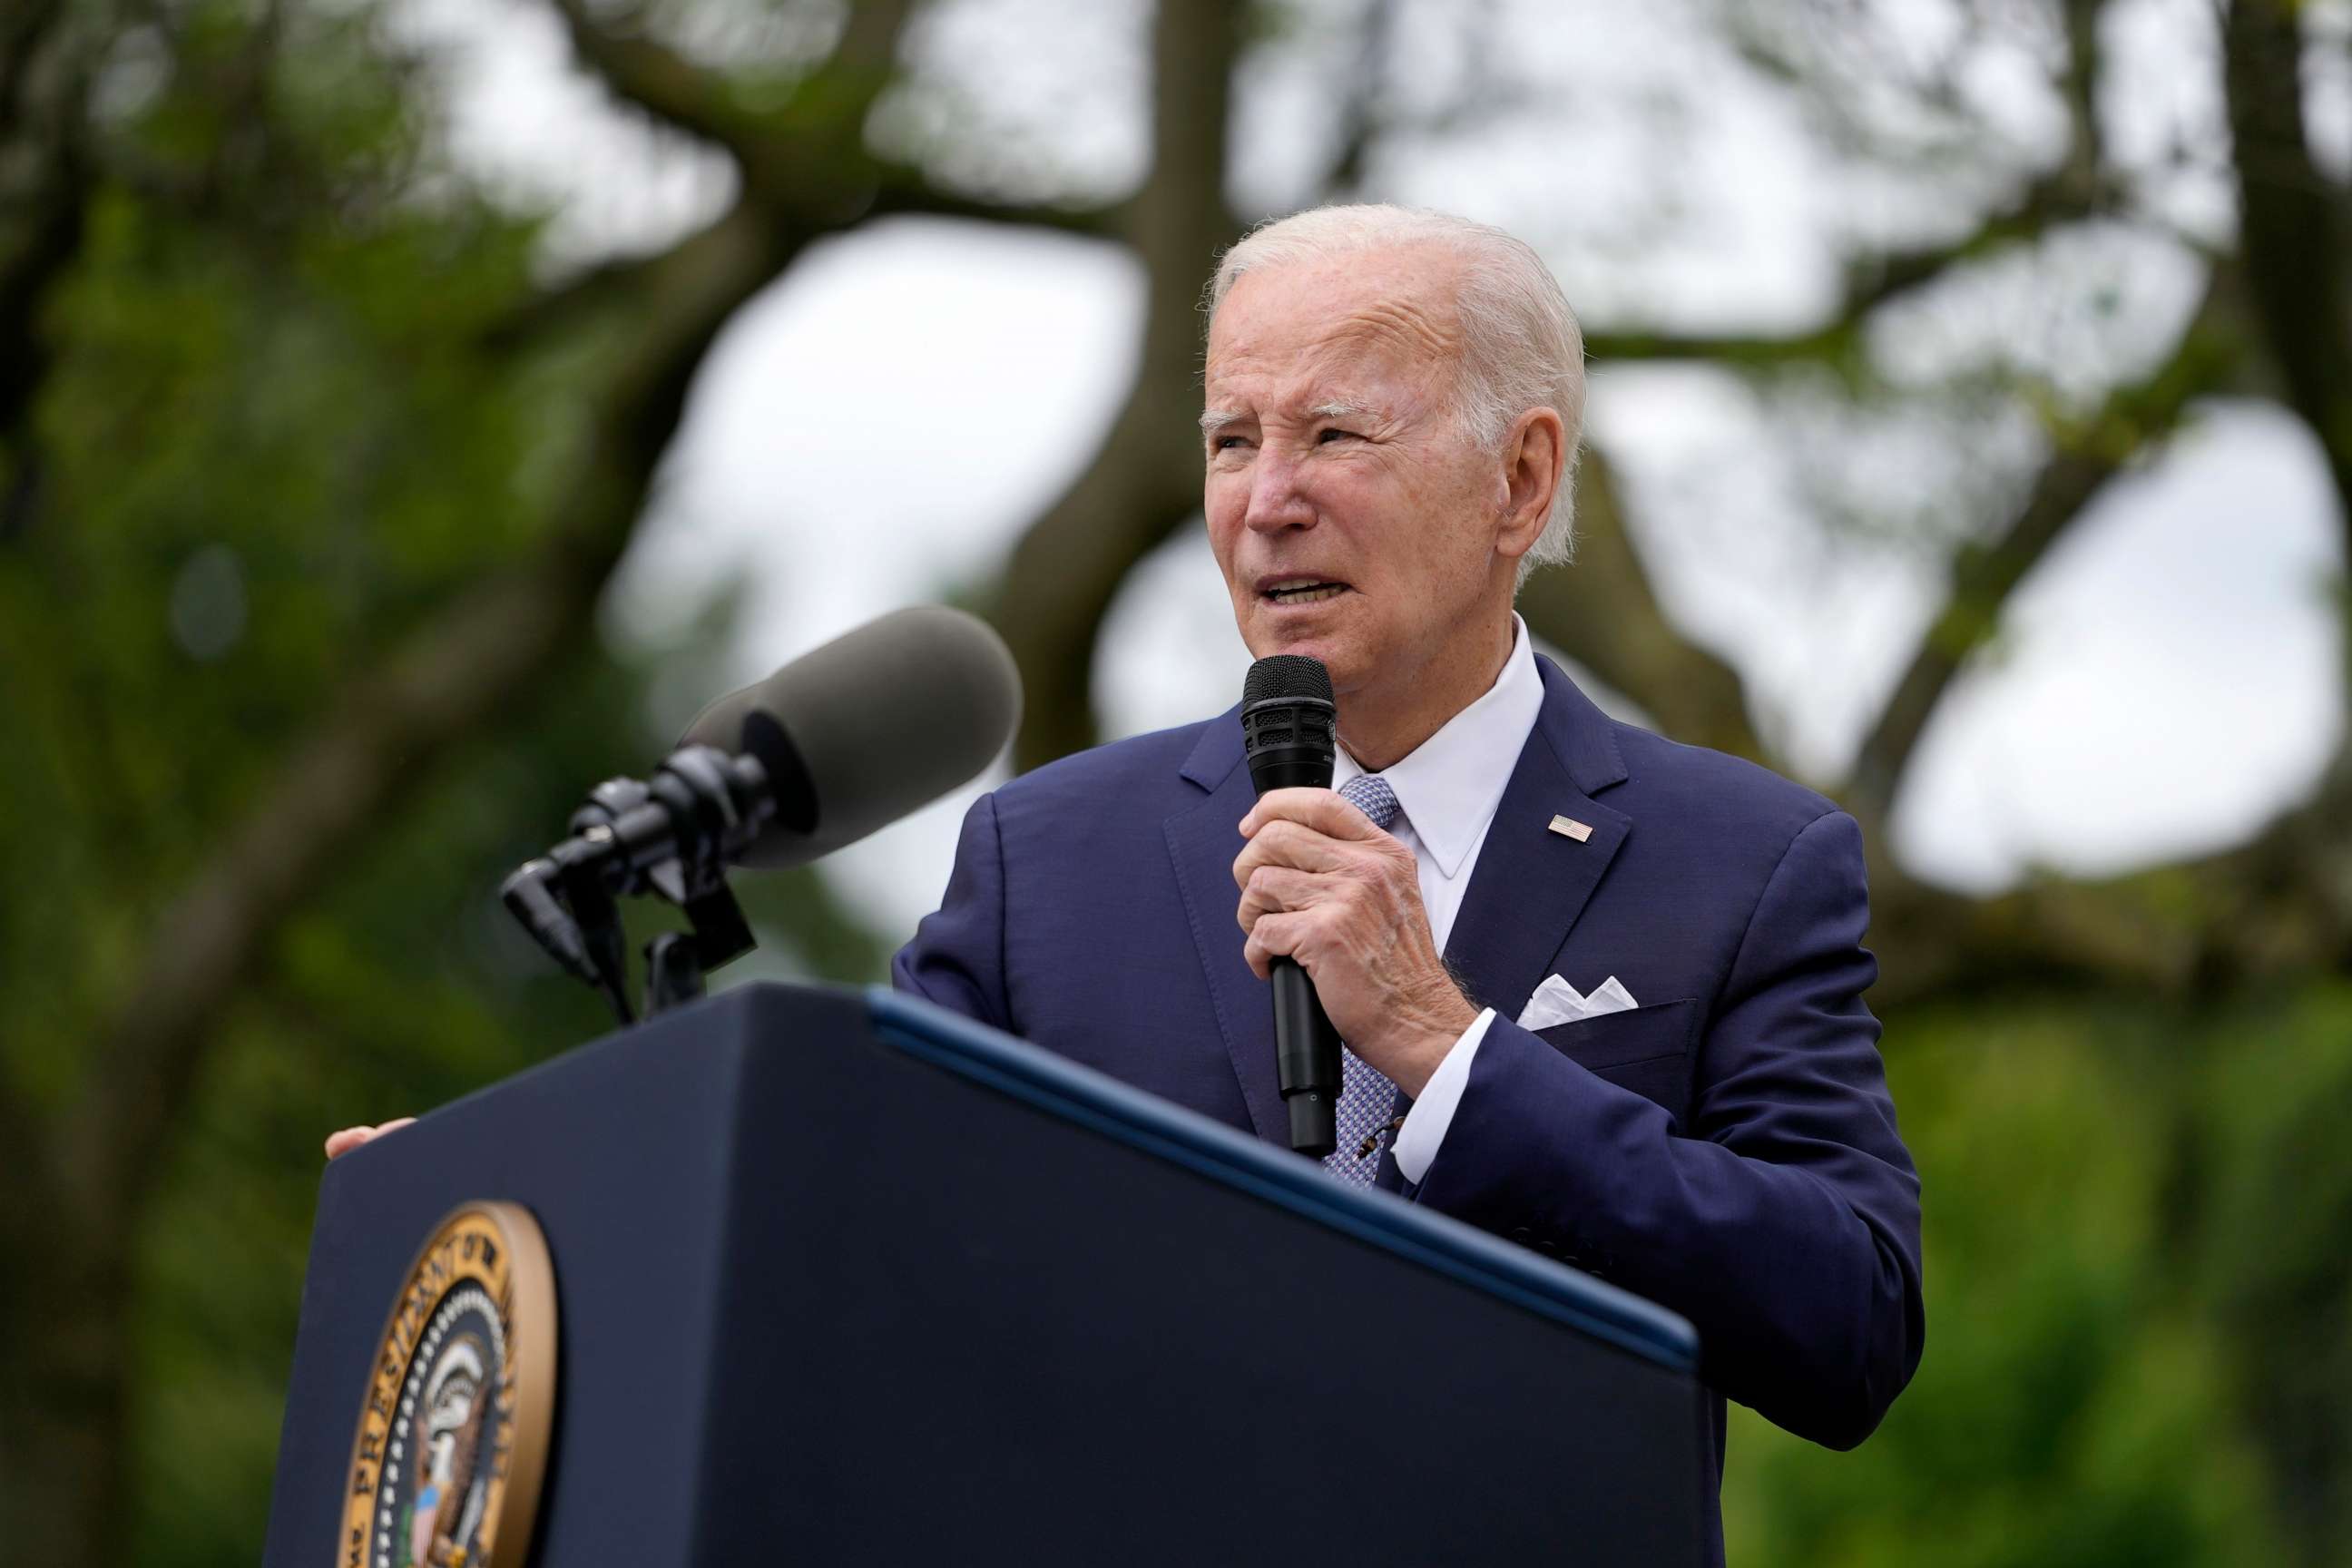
1289,735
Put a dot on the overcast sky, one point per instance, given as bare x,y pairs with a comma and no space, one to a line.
877,428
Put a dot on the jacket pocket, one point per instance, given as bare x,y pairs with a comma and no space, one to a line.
1646,1049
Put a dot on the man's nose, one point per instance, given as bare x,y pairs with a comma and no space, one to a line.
1277,500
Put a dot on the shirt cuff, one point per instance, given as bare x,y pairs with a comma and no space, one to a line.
1425,1125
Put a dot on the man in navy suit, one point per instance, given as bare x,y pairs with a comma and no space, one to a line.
1603,994
1694,1109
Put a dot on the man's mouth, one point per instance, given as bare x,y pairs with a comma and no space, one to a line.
1306,592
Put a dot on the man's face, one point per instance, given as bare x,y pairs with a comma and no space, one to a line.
1353,521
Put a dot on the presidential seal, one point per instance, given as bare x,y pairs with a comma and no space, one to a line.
452,1434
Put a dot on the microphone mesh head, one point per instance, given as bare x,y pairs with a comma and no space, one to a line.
864,730
1288,718
1287,675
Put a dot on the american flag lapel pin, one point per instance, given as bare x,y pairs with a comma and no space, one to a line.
1569,827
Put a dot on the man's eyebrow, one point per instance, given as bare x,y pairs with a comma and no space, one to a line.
1216,419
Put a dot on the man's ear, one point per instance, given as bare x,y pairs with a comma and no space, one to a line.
1534,457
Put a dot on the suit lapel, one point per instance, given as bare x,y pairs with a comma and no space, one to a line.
1530,883
1203,841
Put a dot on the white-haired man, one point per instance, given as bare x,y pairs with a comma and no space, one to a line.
1391,408
1392,402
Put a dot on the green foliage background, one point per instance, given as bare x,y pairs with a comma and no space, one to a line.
2135,1282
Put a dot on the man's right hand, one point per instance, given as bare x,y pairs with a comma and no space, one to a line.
351,1137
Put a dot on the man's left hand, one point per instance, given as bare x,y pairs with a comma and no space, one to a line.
349,1138
1320,884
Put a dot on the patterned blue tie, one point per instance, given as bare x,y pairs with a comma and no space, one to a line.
1366,1098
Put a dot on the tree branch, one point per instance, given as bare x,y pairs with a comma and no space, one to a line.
1361,118
1601,612
559,309
1145,478
2078,186
484,656
2291,228
2279,906
2085,458
807,156
2086,155
689,97
906,191
661,81
47,60
1871,282
828,183
27,29
868,48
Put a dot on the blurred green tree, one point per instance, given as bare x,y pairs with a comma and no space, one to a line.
309,489
297,563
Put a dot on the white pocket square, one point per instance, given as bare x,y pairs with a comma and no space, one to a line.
1558,1002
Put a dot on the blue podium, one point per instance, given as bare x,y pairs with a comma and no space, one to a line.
845,1279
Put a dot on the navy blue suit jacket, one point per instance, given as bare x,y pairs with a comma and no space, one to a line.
1727,1149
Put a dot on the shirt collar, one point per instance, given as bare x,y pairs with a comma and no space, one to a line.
1449,787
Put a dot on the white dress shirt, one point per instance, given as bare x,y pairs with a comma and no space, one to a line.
1448,790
